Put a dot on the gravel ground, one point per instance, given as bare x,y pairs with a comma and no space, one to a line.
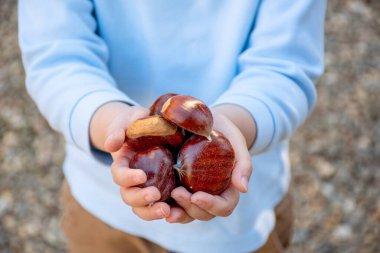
335,154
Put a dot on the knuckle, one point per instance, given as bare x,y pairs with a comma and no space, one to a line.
206,204
125,196
186,219
116,174
135,211
248,164
183,203
129,196
113,169
183,218
145,218
205,218
126,201
235,199
141,215
227,211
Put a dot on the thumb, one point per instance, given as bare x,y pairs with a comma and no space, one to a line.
241,174
115,140
116,133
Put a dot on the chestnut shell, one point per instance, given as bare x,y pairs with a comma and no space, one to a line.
154,131
156,107
188,113
157,162
205,165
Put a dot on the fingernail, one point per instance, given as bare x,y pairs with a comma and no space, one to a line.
179,198
109,137
160,212
148,198
244,183
138,179
196,201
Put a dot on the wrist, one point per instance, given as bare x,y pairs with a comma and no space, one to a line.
241,118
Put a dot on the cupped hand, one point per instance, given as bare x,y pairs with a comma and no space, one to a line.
107,132
204,206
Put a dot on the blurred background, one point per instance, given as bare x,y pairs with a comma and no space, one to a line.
335,154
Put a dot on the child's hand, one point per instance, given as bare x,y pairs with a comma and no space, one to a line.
204,206
107,132
140,199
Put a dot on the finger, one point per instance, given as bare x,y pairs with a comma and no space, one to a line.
243,166
138,113
178,215
183,198
140,197
157,211
126,177
123,154
241,174
114,140
218,205
116,131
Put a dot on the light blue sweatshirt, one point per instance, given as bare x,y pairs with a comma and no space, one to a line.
262,55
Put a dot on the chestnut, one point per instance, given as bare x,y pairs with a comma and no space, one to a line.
188,113
156,107
157,162
153,131
206,165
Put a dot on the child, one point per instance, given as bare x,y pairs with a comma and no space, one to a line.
93,67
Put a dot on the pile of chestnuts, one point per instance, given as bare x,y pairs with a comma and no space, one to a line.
176,146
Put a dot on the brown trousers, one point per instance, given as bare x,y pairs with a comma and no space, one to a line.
87,234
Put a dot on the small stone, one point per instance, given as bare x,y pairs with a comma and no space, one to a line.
331,78
9,222
14,117
31,228
342,232
324,168
358,7
300,236
52,234
6,202
11,139
327,190
363,143
348,206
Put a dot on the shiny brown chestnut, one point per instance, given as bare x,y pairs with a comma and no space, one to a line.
156,108
205,165
153,131
188,113
157,163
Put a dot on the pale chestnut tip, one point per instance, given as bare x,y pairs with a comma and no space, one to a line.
179,170
212,132
175,166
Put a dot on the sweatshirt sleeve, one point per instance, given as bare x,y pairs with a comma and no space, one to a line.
66,65
278,69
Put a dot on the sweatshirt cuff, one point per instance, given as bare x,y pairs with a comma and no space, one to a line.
84,109
261,113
